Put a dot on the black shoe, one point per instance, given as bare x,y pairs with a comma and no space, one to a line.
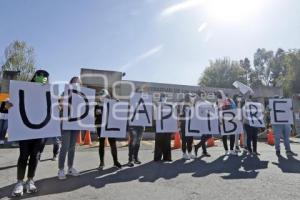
278,153
205,154
118,165
137,162
196,150
130,164
290,153
101,166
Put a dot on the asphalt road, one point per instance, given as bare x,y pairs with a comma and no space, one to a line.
219,177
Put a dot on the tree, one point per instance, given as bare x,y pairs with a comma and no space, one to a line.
19,57
222,73
262,62
291,79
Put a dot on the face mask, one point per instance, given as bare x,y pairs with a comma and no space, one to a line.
41,79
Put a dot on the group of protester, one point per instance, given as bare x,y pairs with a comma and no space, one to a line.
30,150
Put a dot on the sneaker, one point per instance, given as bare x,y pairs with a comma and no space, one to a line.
18,190
137,162
227,152
1,142
118,165
101,166
278,153
237,149
61,174
30,187
185,156
192,156
232,152
130,164
290,153
205,154
73,172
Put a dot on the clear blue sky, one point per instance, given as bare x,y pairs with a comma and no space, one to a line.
151,40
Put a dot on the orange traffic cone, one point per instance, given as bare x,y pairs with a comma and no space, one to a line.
210,142
87,138
270,137
79,139
177,141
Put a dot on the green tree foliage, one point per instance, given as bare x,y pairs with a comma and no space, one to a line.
222,73
19,57
291,78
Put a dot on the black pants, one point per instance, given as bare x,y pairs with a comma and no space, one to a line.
232,140
202,142
29,149
187,142
252,133
56,142
113,148
162,148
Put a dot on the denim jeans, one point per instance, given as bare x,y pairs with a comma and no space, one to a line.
135,135
285,130
3,128
68,143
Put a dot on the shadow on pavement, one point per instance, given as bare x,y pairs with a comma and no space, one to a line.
149,172
288,165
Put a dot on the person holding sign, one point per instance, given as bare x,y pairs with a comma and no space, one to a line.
225,103
29,150
3,121
281,120
162,149
252,120
187,141
103,94
204,137
68,143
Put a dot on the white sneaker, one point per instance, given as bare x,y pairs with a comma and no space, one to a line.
192,156
30,187
1,142
61,174
234,153
226,153
185,156
18,190
73,172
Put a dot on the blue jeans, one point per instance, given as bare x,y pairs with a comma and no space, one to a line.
285,130
3,128
135,135
68,143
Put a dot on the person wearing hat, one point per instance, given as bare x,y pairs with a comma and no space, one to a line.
162,149
68,143
112,141
29,152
